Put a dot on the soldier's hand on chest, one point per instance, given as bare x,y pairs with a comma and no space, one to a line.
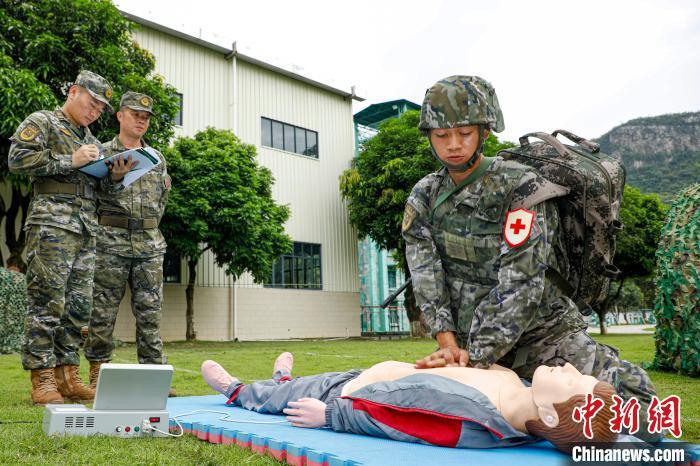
85,154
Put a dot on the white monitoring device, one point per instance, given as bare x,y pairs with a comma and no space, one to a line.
130,401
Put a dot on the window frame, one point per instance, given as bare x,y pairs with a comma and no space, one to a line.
298,267
175,260
181,112
283,128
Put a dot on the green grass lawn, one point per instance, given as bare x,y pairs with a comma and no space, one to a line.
22,440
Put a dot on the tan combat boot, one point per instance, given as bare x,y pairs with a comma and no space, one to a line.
71,386
44,389
94,373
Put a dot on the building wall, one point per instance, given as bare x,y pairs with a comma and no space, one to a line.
309,186
203,76
261,314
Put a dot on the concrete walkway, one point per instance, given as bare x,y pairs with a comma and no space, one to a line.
625,329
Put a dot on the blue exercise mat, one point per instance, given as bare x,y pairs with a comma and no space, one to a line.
324,447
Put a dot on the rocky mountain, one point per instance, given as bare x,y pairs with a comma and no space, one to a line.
661,153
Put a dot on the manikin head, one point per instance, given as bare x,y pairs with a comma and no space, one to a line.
557,391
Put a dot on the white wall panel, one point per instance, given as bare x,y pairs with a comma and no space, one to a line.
309,186
201,75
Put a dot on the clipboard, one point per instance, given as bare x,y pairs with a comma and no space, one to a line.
146,156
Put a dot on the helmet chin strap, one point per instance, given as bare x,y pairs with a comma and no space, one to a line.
462,167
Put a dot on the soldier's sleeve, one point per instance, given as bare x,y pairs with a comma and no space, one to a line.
29,153
506,312
109,186
167,184
427,274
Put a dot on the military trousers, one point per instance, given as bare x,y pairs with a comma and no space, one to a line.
59,295
272,396
145,279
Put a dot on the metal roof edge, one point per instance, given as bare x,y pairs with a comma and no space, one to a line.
229,52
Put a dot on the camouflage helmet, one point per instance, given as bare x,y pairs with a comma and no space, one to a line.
461,101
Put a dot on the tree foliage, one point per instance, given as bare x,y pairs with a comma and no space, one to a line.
221,200
44,44
643,216
631,297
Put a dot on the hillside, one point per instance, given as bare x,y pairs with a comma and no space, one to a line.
661,153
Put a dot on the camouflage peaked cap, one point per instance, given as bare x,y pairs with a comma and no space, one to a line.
137,101
96,85
461,101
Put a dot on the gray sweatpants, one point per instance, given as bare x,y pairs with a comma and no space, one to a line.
271,396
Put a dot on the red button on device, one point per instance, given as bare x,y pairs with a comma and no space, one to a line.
153,419
127,429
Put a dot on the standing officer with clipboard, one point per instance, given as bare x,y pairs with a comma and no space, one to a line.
130,247
50,147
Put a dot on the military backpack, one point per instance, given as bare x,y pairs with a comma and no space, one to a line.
589,214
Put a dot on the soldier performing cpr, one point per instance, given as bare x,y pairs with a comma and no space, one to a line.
480,234
50,147
130,248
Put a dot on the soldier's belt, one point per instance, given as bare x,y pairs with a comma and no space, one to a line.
129,223
54,187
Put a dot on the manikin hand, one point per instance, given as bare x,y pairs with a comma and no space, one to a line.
450,356
306,412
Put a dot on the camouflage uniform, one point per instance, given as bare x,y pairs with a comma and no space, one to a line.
494,297
13,308
130,255
61,231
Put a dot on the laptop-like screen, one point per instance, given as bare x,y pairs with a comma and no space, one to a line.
133,387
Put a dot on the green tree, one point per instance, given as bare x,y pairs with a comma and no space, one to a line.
630,298
221,200
643,216
44,44
381,178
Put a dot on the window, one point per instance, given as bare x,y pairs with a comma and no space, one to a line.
178,116
288,137
300,268
391,277
171,267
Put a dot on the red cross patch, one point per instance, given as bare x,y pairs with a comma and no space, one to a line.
518,226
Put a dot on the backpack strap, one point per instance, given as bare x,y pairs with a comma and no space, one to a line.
549,139
534,189
590,145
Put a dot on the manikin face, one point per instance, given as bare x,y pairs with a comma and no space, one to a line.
552,385
455,146
83,108
133,123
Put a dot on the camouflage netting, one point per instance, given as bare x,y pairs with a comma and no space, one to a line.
13,308
677,302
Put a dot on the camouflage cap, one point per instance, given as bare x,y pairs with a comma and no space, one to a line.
137,101
460,101
96,85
